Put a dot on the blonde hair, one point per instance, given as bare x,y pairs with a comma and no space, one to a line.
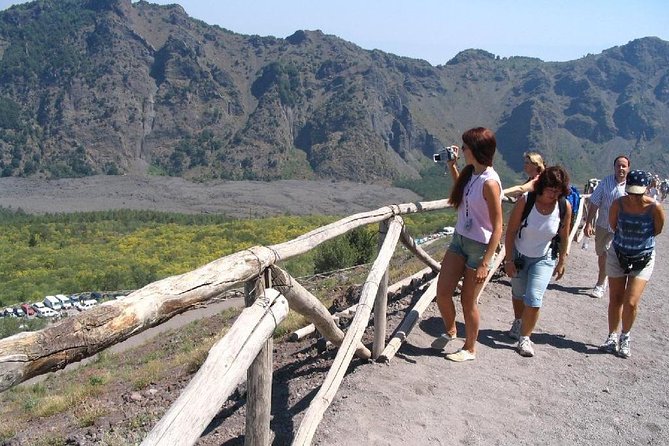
536,159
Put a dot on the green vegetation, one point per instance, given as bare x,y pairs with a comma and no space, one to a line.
113,250
124,249
433,184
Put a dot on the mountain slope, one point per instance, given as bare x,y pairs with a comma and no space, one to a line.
108,86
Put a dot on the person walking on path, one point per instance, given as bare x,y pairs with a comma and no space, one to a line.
635,219
533,166
532,257
477,195
609,189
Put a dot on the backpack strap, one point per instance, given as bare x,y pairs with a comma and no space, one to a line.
529,203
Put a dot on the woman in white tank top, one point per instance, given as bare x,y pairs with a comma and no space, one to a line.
530,258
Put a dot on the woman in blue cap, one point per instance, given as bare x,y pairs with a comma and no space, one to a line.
635,220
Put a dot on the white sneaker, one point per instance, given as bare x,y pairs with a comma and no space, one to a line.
624,349
525,347
514,332
598,291
611,344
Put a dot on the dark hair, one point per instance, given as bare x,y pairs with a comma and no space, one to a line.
554,176
624,157
482,143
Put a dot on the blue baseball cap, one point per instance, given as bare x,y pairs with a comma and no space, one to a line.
637,182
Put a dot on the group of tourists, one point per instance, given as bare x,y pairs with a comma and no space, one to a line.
537,242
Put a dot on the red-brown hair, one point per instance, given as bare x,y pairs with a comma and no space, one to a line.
482,143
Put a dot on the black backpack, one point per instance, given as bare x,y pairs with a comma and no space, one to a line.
529,203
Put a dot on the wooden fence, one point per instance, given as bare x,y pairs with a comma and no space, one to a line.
245,352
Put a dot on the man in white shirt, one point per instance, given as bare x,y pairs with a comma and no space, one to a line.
609,189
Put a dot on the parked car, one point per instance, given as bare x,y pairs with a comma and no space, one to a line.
47,312
85,305
53,302
37,306
95,295
28,310
9,312
64,301
19,312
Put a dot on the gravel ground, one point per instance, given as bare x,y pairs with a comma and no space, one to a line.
569,393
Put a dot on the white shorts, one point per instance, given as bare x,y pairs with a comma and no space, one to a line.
613,268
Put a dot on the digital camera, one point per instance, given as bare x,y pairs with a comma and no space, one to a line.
445,154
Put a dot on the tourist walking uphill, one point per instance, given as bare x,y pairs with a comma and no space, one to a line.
477,195
635,220
534,254
609,189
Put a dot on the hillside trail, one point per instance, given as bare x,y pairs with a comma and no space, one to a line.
568,393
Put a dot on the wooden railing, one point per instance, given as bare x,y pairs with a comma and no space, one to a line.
245,351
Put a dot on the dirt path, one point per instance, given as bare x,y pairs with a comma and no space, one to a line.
569,393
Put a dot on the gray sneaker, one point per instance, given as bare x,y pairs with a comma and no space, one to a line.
611,344
525,347
514,332
624,348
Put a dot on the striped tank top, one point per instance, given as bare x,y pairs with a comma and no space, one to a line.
635,233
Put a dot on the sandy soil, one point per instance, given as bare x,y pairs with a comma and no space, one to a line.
569,393
239,199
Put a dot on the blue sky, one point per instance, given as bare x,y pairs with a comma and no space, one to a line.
436,30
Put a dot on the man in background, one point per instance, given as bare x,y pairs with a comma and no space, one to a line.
609,189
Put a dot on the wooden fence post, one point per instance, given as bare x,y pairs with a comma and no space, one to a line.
258,376
381,302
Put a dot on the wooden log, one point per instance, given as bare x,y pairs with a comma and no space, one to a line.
307,330
409,322
29,354
395,287
259,377
310,307
499,258
381,302
419,252
310,329
322,400
223,370
314,238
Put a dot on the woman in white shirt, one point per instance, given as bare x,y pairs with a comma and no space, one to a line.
530,258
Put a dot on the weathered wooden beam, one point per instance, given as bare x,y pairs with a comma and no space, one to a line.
29,354
259,375
323,398
308,305
223,370
409,322
314,238
419,252
381,302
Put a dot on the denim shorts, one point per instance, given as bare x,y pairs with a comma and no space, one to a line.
471,250
532,279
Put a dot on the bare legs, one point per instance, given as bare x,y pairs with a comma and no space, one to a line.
529,316
624,296
452,269
601,263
